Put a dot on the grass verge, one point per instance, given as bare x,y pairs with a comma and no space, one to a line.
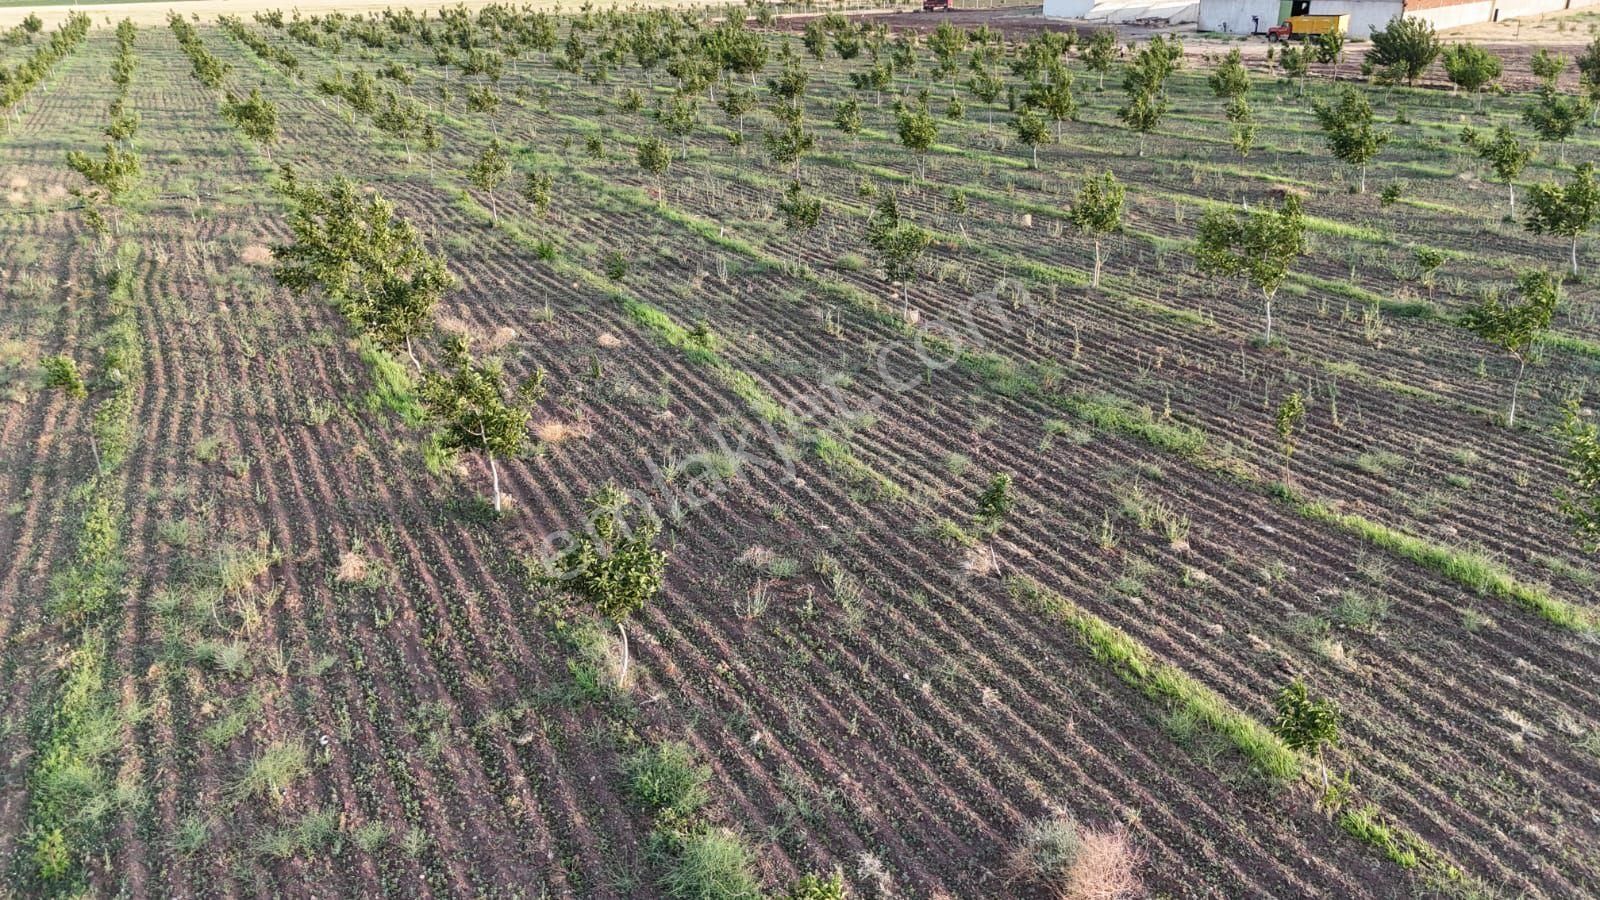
1137,665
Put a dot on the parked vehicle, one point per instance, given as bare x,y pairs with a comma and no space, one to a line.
1305,26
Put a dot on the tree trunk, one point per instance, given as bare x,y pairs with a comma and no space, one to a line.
1575,254
622,677
1363,179
1095,281
1516,386
494,469
1269,319
1511,191
411,353
1036,156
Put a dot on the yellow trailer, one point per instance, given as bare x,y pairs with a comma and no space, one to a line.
1306,26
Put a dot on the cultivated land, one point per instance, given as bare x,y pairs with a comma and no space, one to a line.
260,633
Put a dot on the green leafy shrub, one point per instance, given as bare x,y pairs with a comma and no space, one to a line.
62,372
666,777
712,865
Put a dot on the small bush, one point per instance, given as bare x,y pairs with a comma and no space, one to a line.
62,372
51,856
815,887
666,777
1046,851
713,865
278,767
1078,863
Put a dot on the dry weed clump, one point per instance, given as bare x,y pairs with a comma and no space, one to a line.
1107,867
256,255
980,562
481,340
498,339
1075,862
757,557
353,568
553,432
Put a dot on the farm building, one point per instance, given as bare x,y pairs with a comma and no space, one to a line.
1365,15
1175,12
1245,16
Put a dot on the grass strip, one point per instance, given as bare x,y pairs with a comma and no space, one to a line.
1134,663
1164,683
1466,567
1406,849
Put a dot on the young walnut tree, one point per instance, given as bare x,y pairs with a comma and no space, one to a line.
1471,68
614,564
369,261
537,190
254,115
917,130
1581,504
801,210
1259,246
488,172
898,243
847,118
1097,211
1296,65
1402,50
995,501
1328,48
1506,155
655,157
1100,54
476,411
1147,105
1306,724
1555,117
1349,129
1289,419
1515,329
1568,210
1032,130
1230,79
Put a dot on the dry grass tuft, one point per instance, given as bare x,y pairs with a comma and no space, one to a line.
353,568
553,432
480,340
18,182
256,255
1107,867
757,557
980,561
498,339
609,341
1076,863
